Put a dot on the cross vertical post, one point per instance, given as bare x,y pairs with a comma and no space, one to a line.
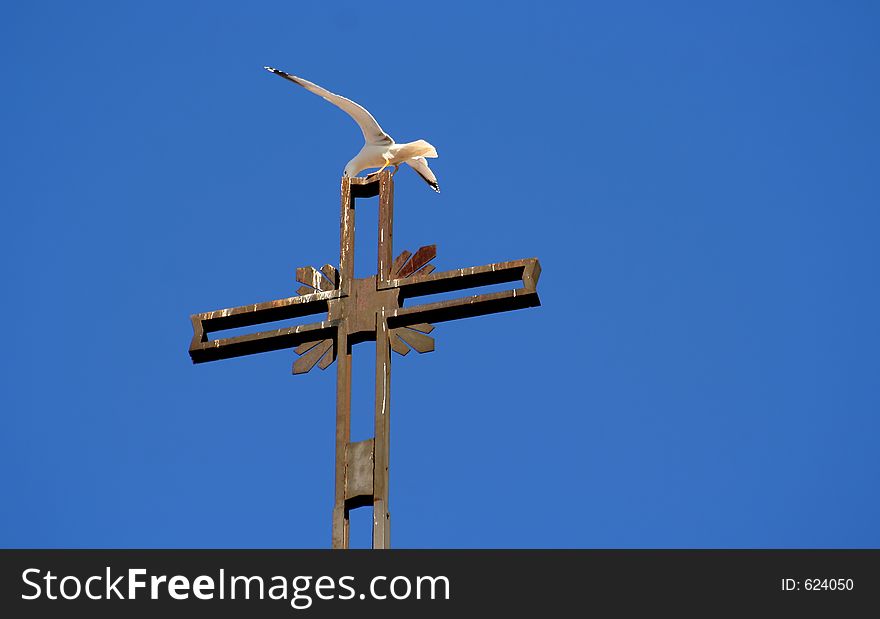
340,528
381,515
362,468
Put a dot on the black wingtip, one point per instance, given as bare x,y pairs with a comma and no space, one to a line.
432,184
278,72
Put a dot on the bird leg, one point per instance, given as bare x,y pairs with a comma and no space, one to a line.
396,165
382,168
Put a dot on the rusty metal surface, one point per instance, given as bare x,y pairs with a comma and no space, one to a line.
203,350
418,341
382,426
384,308
400,261
310,276
309,359
398,346
361,306
340,521
359,473
331,274
525,271
381,509
422,257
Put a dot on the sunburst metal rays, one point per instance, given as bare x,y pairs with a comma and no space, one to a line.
413,336
403,339
317,281
320,352
407,264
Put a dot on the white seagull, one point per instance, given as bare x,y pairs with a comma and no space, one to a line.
379,149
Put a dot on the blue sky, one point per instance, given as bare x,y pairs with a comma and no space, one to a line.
699,182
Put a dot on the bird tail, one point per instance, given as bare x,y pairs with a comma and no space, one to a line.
419,148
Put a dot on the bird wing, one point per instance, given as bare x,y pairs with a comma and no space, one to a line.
420,165
373,133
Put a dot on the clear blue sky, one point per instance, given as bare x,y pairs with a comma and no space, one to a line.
699,182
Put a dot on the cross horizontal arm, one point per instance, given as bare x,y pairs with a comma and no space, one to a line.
202,349
526,271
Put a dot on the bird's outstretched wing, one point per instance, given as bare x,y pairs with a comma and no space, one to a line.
373,133
420,165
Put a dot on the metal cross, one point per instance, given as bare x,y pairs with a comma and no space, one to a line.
358,310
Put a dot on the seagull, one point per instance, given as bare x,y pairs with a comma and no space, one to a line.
379,151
